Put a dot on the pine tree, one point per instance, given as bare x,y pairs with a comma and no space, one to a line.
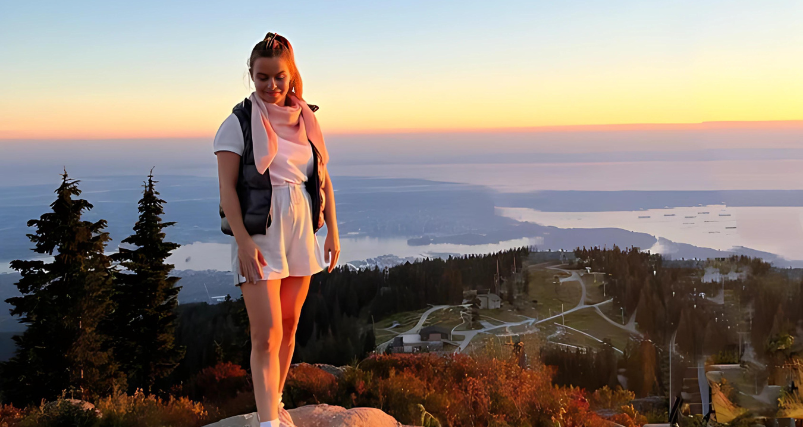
146,296
63,303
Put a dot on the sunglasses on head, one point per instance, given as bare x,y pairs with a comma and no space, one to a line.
272,42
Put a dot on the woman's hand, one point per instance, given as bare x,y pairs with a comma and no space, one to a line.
332,244
251,260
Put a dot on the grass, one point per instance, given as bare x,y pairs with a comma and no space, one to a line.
407,320
552,296
501,314
594,291
567,336
589,321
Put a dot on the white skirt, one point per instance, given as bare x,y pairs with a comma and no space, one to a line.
289,245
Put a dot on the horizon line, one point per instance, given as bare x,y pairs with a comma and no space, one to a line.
705,125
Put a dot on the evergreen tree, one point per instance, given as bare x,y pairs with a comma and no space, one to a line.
63,303
144,323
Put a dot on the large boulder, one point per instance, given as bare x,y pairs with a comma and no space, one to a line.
251,420
322,415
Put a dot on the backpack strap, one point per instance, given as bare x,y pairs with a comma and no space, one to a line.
243,112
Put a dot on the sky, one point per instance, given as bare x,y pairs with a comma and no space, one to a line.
168,69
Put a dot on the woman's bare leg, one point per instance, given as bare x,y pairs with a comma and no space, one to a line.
265,317
293,293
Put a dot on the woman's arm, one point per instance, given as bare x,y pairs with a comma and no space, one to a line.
329,212
228,169
331,247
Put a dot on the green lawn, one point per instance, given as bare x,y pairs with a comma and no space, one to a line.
553,296
590,322
408,319
594,291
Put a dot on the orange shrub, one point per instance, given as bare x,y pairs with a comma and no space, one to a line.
605,398
629,417
144,410
461,390
400,392
307,384
356,388
10,416
218,383
458,390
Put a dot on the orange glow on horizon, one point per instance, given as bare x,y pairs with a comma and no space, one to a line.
712,125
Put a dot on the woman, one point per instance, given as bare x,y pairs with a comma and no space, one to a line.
274,133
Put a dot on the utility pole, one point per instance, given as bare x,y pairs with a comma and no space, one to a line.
497,276
671,350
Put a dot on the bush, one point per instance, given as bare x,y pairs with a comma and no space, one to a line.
10,416
61,413
454,390
356,388
400,392
219,383
629,417
605,398
122,410
307,384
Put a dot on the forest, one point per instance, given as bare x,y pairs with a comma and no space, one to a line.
99,323
755,316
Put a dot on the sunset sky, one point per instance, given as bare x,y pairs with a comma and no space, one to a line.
148,69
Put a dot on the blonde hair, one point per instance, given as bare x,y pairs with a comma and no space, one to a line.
279,47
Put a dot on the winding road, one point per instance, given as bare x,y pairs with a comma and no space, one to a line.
468,335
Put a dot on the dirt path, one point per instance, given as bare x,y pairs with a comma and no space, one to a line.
529,321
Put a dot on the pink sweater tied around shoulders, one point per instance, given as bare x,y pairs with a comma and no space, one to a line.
295,122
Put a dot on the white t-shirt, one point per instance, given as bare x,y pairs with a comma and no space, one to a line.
293,162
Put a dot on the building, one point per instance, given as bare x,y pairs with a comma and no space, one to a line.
489,301
427,339
435,333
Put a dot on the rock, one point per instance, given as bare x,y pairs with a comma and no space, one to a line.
247,420
334,416
86,406
251,420
319,416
